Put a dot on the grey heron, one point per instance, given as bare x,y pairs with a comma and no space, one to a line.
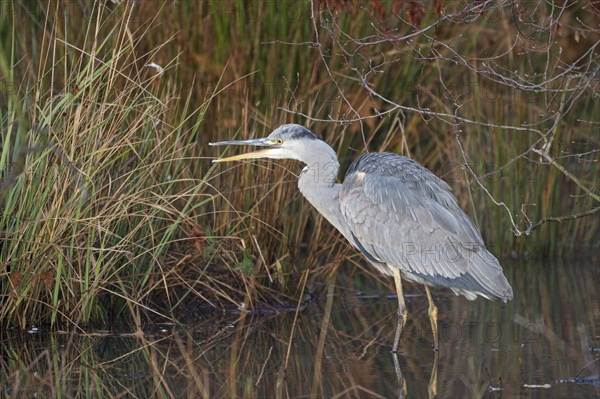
402,217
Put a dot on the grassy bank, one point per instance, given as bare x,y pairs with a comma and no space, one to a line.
110,205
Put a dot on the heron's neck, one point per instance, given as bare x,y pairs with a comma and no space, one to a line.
319,175
321,169
317,184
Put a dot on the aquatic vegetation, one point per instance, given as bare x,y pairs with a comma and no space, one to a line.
111,207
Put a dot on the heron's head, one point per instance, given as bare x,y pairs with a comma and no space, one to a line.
286,142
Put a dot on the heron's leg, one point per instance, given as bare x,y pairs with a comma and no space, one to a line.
432,387
402,313
433,317
401,381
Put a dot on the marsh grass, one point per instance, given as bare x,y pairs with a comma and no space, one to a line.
110,205
101,189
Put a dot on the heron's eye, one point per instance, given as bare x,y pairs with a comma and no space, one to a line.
278,141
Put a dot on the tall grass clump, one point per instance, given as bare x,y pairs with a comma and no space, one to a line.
108,207
94,182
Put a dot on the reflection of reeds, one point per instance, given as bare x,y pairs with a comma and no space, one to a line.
115,209
335,348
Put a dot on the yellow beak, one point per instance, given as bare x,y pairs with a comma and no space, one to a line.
264,142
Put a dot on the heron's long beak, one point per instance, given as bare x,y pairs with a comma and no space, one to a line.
264,142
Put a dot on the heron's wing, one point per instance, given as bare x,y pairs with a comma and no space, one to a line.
403,215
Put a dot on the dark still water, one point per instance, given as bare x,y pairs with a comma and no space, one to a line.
543,344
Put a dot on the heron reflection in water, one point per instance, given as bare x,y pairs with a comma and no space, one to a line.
402,217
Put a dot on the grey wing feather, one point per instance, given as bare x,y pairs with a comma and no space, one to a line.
402,215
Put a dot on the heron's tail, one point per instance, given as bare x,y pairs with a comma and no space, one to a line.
487,272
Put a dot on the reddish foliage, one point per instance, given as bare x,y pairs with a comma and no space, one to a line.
15,279
199,238
396,6
415,9
334,5
415,13
47,278
438,7
377,7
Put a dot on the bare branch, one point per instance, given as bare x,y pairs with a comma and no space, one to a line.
544,62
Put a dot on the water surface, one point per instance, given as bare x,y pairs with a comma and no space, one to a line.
543,344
